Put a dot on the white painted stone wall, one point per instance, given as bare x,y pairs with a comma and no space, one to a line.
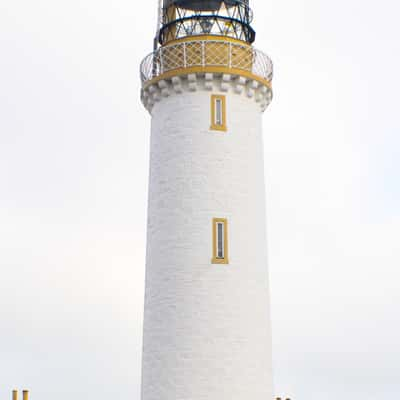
206,326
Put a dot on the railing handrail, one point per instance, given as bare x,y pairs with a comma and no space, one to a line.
165,59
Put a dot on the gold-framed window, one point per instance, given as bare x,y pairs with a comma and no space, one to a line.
220,241
218,112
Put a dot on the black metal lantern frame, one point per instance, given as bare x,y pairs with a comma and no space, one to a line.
231,18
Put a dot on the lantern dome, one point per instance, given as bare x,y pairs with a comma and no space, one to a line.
202,5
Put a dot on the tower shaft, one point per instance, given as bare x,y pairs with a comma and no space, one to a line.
206,320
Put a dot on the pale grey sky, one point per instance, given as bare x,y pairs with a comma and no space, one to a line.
74,143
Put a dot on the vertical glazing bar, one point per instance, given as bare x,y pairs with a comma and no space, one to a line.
159,16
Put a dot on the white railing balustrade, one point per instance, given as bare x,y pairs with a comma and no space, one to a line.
206,53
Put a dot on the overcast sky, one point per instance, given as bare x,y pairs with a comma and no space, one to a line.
74,144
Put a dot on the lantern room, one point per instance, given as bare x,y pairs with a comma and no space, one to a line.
184,18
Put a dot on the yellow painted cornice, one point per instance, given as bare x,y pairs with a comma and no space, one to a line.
208,69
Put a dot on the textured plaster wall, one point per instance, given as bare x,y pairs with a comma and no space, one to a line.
206,326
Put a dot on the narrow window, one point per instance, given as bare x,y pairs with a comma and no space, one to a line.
220,241
218,112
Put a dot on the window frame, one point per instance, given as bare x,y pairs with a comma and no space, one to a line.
215,100
215,242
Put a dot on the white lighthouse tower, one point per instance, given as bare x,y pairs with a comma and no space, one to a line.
206,318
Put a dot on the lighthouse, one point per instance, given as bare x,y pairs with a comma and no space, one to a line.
207,331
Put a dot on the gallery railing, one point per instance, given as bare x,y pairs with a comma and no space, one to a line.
206,53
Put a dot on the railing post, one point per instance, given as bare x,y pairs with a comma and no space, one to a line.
149,67
161,60
254,60
203,53
184,55
230,55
